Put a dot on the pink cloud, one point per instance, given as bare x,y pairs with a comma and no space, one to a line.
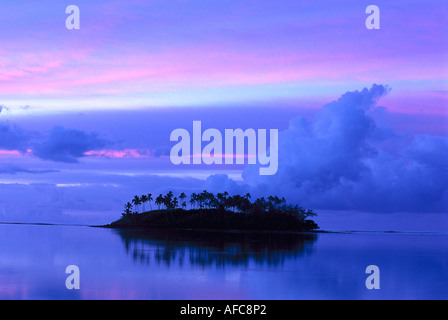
126,153
9,153
15,153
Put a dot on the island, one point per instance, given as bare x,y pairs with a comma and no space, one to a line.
208,211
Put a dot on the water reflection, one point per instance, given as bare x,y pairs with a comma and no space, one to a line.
214,248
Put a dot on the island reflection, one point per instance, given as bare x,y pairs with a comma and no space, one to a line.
207,248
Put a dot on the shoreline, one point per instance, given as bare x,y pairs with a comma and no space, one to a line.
148,229
107,226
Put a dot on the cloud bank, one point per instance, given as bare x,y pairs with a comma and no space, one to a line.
59,145
67,145
13,138
337,162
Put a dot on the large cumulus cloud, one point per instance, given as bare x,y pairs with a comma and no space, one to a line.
336,162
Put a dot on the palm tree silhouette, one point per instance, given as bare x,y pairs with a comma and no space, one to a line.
193,199
159,200
175,203
167,200
169,203
136,201
144,199
127,209
150,200
182,197
207,202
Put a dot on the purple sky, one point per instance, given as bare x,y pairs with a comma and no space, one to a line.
86,115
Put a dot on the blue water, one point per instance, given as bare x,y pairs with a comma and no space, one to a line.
195,265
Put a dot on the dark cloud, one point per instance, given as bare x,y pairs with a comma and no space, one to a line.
68,145
13,138
159,152
336,162
59,144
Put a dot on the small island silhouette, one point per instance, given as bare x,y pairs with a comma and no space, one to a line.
220,212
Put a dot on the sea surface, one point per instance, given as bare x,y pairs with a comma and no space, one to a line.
116,264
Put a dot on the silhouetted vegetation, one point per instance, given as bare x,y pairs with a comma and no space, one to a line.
222,211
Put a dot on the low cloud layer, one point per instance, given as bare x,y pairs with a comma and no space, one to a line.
14,169
336,162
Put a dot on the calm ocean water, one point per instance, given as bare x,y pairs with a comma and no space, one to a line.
117,264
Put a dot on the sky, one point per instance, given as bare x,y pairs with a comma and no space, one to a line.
86,114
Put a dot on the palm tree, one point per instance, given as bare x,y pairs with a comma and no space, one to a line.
182,197
204,199
272,202
225,195
209,199
236,201
136,201
193,199
159,200
220,199
167,200
169,203
175,203
150,200
144,199
261,204
127,209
